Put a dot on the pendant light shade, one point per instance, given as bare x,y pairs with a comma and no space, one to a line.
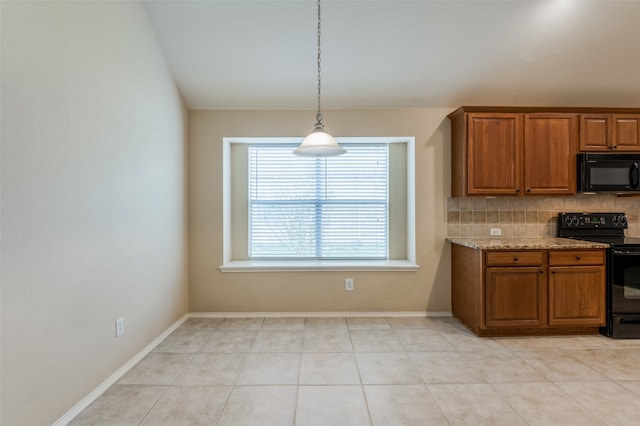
319,143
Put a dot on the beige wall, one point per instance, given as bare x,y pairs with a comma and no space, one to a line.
93,200
211,290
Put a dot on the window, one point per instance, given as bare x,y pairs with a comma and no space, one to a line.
348,213
318,208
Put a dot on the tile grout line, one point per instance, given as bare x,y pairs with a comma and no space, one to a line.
355,358
244,364
362,386
577,401
233,387
515,410
295,408
169,385
166,389
444,413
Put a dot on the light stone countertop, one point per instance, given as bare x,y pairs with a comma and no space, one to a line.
525,243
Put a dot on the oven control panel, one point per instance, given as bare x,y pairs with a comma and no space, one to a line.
592,221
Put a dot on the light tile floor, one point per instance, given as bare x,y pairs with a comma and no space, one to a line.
372,371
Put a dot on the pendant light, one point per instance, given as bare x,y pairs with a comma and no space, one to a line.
319,143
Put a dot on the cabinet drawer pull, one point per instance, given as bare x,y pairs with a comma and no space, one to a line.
542,272
518,190
528,189
578,258
515,259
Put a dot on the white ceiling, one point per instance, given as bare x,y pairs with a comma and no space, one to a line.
261,54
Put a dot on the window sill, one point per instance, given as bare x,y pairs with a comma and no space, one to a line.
317,265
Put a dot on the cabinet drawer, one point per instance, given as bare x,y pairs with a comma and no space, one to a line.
573,258
514,258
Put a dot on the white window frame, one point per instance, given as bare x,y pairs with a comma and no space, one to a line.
276,265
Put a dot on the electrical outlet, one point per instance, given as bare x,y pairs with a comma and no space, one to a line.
495,231
119,326
348,284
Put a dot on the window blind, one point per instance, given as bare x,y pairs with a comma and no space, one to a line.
318,208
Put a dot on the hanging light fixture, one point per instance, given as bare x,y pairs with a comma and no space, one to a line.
319,143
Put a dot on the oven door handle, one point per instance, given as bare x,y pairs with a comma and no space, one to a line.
627,252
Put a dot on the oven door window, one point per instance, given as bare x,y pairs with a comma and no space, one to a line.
631,282
625,281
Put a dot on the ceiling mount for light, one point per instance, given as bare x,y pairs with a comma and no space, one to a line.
319,143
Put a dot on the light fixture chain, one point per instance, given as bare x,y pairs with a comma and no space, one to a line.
319,143
319,114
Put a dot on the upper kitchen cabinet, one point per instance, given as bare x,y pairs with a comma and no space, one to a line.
595,132
609,132
494,139
502,151
626,132
550,142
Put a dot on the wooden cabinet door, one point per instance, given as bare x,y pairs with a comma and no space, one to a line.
626,132
515,297
494,153
595,132
609,132
577,295
550,145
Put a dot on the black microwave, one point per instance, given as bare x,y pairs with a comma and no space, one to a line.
608,172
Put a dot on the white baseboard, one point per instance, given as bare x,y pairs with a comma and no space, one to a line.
102,388
349,314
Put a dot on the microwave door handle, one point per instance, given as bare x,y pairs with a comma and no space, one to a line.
634,175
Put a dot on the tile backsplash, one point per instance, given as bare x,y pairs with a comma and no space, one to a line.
530,216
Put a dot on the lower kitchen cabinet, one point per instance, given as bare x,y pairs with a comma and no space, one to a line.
521,292
514,297
574,295
576,292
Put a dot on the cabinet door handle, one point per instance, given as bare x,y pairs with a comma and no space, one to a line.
518,190
542,272
553,272
615,147
528,189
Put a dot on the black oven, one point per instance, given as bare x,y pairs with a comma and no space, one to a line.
622,269
624,289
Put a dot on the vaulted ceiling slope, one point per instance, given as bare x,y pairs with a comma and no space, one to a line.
261,54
